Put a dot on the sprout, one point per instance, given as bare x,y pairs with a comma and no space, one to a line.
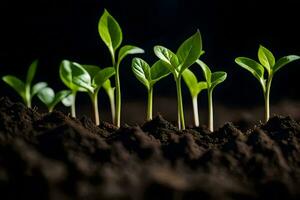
186,55
24,89
148,76
195,88
268,63
212,80
111,34
50,99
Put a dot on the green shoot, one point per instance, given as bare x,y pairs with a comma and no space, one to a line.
148,76
195,88
266,62
111,34
24,89
50,99
186,55
212,80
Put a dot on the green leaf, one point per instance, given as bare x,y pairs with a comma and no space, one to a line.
16,84
37,87
168,57
158,71
252,66
217,78
206,71
189,51
129,49
266,58
59,97
283,61
103,75
110,31
74,76
142,71
68,100
192,83
31,72
46,95
91,69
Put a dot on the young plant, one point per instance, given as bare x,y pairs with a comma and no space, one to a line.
24,89
148,76
50,99
186,55
266,62
212,80
73,75
195,88
111,34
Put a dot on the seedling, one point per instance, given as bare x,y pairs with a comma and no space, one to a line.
24,89
111,34
266,62
212,80
195,88
98,77
186,55
148,76
73,75
50,99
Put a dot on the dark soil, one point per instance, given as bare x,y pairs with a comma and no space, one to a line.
52,156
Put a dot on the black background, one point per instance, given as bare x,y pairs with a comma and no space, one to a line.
55,30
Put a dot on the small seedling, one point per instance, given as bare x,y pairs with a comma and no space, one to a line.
186,55
73,75
266,62
50,99
212,80
195,88
111,34
24,89
148,76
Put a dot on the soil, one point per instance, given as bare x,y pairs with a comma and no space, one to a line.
53,156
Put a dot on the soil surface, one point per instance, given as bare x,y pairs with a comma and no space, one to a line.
53,156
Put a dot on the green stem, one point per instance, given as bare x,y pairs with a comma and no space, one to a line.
267,99
195,109
111,96
50,109
94,98
210,111
73,107
27,96
118,97
181,124
149,105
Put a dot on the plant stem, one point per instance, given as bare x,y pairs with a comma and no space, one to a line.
73,107
149,105
118,97
181,124
94,98
267,99
195,109
210,111
50,109
27,96
111,96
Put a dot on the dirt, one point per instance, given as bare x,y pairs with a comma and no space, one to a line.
53,156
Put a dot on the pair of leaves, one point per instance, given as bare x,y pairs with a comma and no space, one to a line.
212,78
267,61
186,55
20,87
111,34
50,99
192,83
149,75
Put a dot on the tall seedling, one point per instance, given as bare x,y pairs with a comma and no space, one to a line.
148,76
111,34
186,55
266,62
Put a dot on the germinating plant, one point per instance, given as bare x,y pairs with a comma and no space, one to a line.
212,80
266,62
111,34
186,55
50,99
148,76
195,88
24,89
